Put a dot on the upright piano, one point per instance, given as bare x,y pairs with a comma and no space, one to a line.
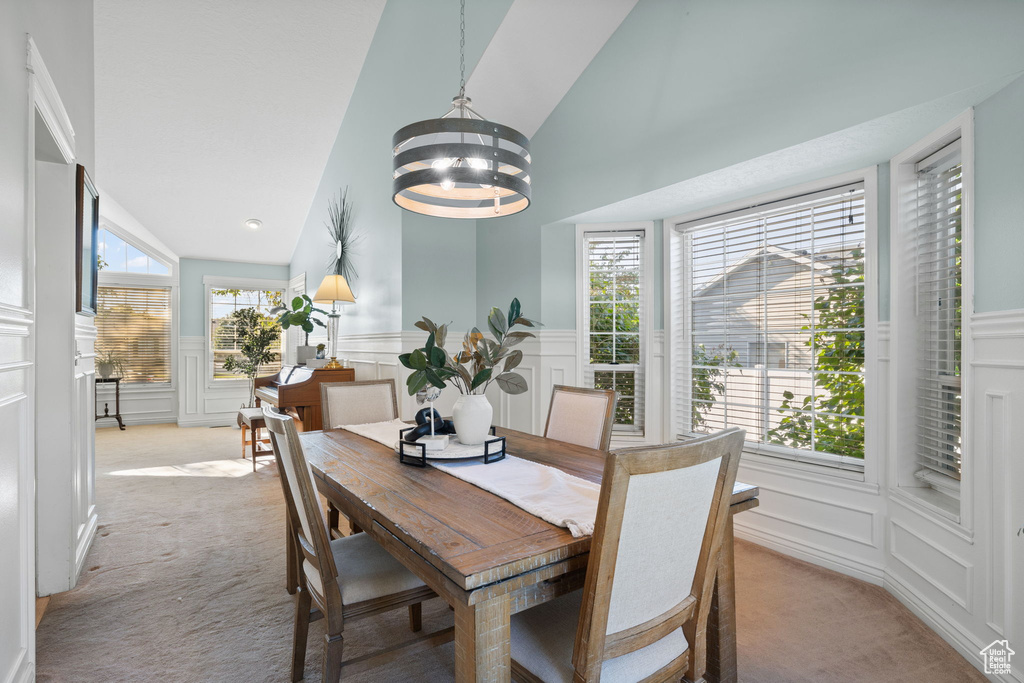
296,390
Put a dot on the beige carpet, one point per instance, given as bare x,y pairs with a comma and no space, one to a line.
185,582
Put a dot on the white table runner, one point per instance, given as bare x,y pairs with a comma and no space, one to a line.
546,492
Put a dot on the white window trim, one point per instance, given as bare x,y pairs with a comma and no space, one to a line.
152,252
873,437
902,484
211,282
147,281
646,341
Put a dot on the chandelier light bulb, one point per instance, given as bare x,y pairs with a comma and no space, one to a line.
447,184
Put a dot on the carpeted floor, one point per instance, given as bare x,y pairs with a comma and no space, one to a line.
185,582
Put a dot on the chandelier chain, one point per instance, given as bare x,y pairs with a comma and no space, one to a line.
462,50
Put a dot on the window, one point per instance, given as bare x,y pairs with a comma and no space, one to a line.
613,317
938,241
133,324
118,256
769,326
224,342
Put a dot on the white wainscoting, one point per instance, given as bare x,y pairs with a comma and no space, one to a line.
548,360
140,405
199,403
17,477
966,582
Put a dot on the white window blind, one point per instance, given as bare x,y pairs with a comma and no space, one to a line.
134,324
224,341
614,313
938,244
769,325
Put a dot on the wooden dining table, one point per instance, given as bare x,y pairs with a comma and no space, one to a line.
487,558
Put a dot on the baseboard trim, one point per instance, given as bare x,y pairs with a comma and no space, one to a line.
215,421
25,670
965,644
130,420
814,554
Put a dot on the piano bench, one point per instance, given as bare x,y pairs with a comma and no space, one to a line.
251,421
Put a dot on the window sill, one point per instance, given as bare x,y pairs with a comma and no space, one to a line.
938,507
766,460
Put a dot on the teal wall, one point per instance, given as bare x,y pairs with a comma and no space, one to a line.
410,73
438,271
192,292
999,201
631,123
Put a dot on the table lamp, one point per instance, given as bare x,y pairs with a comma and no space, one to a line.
333,290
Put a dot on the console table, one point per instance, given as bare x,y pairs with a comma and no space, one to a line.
116,381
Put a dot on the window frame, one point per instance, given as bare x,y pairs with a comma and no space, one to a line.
147,281
211,282
646,433
767,455
903,485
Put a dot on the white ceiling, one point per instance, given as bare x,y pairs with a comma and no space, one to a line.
537,53
210,113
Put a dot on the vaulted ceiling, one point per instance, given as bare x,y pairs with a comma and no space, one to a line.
211,113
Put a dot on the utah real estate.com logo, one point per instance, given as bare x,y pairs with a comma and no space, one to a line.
997,657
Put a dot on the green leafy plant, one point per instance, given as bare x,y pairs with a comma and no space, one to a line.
300,315
481,360
117,363
708,380
838,402
258,334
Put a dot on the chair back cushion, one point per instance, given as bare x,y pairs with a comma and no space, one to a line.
581,416
356,403
663,525
660,525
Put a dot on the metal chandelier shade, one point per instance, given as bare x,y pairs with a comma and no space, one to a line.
461,166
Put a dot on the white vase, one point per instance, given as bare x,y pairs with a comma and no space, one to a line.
104,370
472,415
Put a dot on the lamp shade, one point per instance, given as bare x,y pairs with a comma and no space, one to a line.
334,288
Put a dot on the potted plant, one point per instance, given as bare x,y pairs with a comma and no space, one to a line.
258,334
479,363
300,315
107,364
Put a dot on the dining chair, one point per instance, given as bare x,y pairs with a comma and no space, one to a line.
355,403
344,579
581,416
642,613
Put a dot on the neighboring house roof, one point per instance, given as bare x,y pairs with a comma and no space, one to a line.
803,257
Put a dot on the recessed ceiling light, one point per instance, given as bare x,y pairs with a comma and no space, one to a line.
253,223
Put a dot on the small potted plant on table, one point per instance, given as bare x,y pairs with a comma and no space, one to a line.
300,315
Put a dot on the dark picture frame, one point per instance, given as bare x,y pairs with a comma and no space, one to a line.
87,224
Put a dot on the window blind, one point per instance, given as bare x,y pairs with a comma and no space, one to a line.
938,244
614,312
134,324
224,339
768,322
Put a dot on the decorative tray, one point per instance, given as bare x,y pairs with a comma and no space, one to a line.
416,453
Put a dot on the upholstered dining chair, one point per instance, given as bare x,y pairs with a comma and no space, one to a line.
581,416
343,579
642,613
355,403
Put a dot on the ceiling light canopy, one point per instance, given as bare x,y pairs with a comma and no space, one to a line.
461,165
253,223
